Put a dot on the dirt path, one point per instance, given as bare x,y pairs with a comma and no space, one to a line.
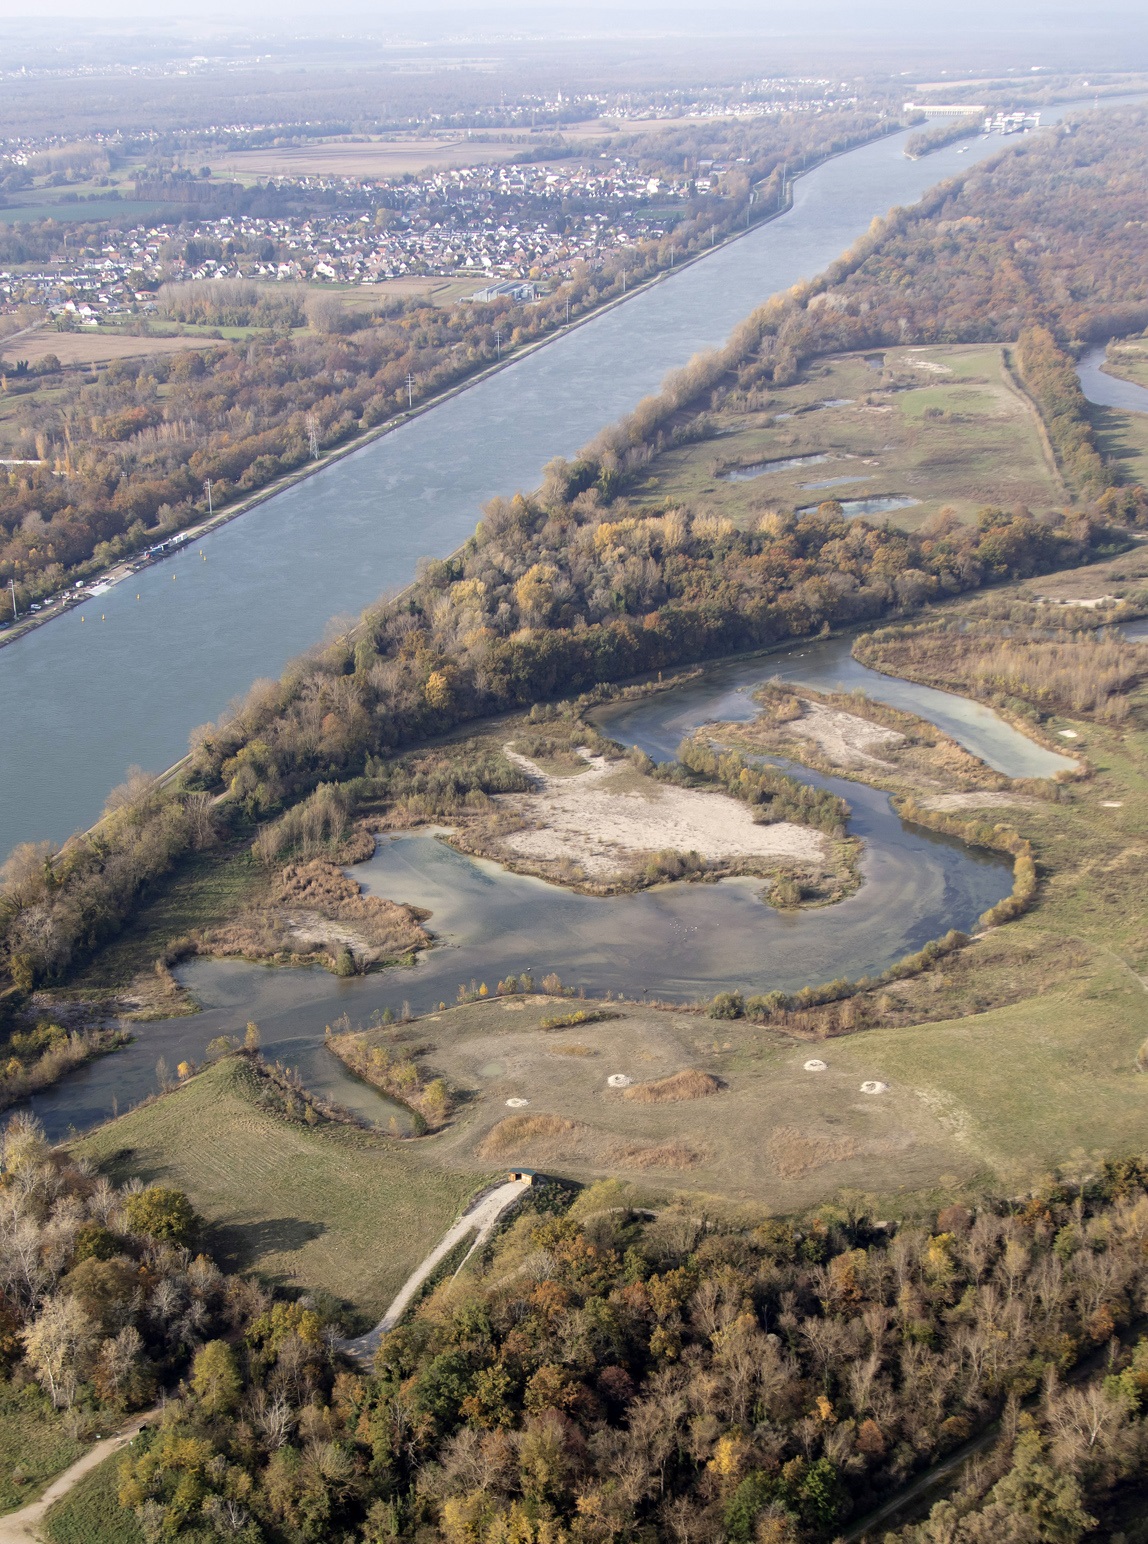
22,1526
479,1218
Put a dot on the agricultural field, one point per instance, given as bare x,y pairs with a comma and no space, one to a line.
324,1207
96,345
933,427
368,157
73,211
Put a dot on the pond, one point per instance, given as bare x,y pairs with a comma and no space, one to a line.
851,508
763,468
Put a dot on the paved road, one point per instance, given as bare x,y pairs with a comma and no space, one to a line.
22,1526
480,1217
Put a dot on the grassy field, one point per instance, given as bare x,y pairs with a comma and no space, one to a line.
1129,358
90,1513
122,211
1124,438
368,157
944,426
993,1095
94,345
34,1445
325,1207
204,891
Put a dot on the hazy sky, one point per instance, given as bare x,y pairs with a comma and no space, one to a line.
812,16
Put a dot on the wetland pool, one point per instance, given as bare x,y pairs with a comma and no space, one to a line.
677,942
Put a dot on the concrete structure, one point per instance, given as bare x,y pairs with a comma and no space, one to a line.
947,109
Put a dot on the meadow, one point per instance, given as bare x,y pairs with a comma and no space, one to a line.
324,1207
945,426
90,1513
1128,358
35,1444
1123,437
369,157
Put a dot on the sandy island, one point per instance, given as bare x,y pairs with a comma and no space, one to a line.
606,817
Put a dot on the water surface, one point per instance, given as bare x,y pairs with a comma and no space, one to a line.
1109,390
827,665
757,469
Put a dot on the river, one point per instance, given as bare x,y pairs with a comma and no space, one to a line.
1109,390
678,942
123,680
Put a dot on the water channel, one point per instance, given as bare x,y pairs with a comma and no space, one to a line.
82,699
1106,390
676,941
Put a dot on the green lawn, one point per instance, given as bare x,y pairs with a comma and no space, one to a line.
126,210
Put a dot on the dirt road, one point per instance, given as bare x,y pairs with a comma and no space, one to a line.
22,1526
480,1219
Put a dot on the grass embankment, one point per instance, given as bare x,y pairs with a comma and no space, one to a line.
1128,359
943,425
327,1207
1123,439
206,890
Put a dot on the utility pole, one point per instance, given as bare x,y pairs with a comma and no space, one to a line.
207,490
568,310
12,587
410,389
498,342
713,234
313,435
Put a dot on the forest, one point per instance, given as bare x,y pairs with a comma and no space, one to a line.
601,1372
